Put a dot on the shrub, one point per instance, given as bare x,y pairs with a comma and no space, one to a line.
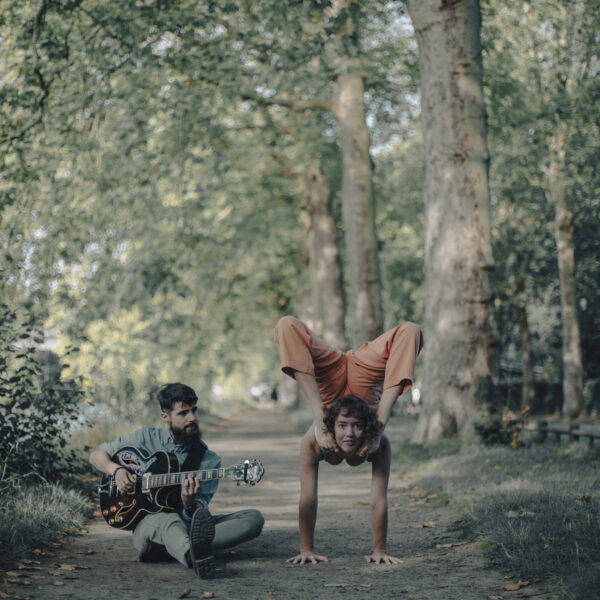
37,407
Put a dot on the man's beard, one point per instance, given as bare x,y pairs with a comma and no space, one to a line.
187,436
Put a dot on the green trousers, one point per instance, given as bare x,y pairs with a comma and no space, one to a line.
170,530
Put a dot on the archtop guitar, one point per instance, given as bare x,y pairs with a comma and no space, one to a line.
155,479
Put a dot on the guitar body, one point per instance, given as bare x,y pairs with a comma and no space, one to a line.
124,511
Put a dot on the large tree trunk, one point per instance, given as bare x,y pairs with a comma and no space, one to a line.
358,207
563,232
459,362
324,263
358,211
528,384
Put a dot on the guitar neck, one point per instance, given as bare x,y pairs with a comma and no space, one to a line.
164,479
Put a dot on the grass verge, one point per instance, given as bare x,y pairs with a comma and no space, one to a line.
538,507
34,514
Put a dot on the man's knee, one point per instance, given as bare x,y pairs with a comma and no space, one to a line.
255,522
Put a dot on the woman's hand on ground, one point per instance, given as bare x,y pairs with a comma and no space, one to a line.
307,557
382,558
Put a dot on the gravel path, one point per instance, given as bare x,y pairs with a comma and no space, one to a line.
102,563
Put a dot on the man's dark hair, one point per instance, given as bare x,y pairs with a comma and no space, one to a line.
352,406
172,393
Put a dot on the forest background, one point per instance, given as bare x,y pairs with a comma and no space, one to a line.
176,176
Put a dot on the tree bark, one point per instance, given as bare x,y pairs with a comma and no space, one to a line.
563,232
358,211
324,262
459,361
358,207
528,384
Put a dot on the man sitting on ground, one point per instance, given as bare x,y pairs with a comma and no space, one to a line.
192,534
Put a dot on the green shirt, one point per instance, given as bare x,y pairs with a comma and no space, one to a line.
152,439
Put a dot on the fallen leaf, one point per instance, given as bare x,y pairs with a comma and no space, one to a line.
530,593
495,597
185,592
90,552
3,595
23,567
428,524
97,514
441,546
459,521
58,583
12,574
364,586
65,567
206,595
431,496
511,587
55,573
363,503
586,498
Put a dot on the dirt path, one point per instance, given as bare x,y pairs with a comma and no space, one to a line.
102,563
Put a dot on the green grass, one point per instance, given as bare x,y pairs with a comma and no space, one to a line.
36,514
538,507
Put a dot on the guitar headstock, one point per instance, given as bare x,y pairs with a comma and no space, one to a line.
249,471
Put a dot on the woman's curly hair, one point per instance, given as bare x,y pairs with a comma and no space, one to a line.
353,406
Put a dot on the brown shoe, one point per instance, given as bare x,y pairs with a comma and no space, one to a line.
154,552
201,534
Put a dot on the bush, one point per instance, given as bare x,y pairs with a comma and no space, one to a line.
37,407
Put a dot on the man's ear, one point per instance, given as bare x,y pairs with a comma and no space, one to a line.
165,416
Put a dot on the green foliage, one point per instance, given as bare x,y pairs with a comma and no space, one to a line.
32,515
499,427
37,407
540,70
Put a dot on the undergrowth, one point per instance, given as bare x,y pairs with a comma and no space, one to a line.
538,507
35,514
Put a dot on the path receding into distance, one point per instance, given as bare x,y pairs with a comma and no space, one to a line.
102,563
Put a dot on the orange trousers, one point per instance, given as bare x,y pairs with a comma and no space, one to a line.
384,362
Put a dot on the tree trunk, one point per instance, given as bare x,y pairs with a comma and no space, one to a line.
459,362
358,211
324,263
528,387
563,232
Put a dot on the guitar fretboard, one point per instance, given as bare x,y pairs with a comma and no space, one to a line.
175,478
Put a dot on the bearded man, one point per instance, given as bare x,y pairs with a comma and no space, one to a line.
190,534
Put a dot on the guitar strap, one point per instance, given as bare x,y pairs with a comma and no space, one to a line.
194,457
191,463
